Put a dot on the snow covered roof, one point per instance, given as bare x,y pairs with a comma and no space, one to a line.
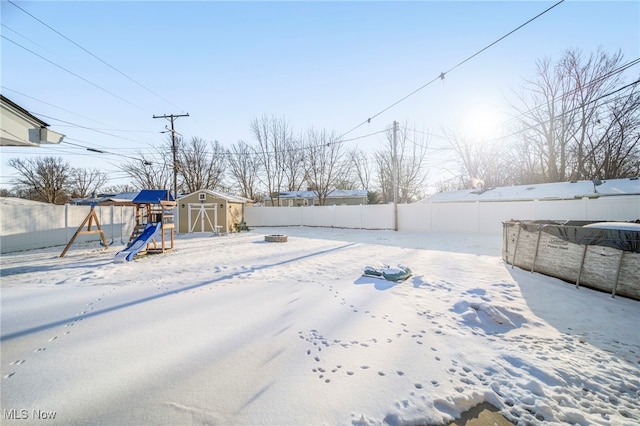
225,196
336,193
122,196
14,201
542,191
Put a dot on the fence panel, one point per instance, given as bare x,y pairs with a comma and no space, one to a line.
32,226
483,217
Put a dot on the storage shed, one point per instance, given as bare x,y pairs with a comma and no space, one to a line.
601,255
210,211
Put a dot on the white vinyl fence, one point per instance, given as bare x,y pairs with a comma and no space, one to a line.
31,226
464,217
25,227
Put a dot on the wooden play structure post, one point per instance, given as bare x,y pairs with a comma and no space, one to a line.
92,216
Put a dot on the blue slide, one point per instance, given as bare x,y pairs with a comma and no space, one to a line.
138,244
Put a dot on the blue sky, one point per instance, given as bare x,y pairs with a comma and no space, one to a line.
329,65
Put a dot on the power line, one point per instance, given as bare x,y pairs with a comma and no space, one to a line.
100,151
50,104
593,82
95,56
442,75
71,72
23,36
89,128
563,114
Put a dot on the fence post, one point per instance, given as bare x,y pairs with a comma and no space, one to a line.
112,208
585,208
66,221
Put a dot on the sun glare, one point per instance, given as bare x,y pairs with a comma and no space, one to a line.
482,121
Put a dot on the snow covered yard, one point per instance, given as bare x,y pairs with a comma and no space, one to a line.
235,330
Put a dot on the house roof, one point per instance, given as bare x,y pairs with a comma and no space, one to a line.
26,113
121,197
217,194
21,128
542,191
336,193
19,201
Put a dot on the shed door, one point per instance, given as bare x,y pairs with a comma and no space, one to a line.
203,217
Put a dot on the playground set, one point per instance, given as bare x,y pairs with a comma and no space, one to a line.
154,217
154,230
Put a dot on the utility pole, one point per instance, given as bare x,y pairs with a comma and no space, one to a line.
395,176
171,118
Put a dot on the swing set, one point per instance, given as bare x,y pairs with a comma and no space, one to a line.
88,221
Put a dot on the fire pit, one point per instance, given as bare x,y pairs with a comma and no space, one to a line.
276,238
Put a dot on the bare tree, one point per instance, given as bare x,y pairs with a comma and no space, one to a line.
42,178
273,135
294,164
410,150
480,163
120,188
566,118
360,168
84,182
384,171
325,163
244,169
360,174
612,149
201,165
150,171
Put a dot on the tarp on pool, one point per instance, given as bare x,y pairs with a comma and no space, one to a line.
623,237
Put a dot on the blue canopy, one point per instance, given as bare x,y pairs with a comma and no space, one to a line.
152,196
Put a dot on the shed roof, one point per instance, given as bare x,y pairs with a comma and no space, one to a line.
542,191
217,194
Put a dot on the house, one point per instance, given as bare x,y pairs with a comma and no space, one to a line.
121,199
21,128
342,197
210,211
